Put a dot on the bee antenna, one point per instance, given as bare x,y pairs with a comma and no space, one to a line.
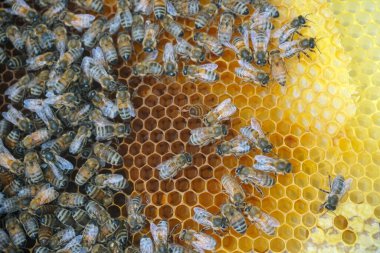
174,228
307,18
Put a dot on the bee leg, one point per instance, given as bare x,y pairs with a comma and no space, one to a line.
321,207
259,190
173,230
307,55
218,233
324,191
330,184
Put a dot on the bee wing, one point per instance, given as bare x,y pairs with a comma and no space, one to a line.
86,64
48,144
256,126
202,217
63,164
288,44
169,55
98,56
280,31
144,6
113,25
242,143
267,38
209,66
204,241
110,109
82,21
229,45
262,159
198,247
245,33
346,187
271,221
146,245
247,65
76,144
171,9
151,56
14,89
158,231
114,178
33,104
224,104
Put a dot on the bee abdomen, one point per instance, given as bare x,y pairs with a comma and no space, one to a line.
159,9
240,225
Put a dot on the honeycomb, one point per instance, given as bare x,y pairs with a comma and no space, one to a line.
325,121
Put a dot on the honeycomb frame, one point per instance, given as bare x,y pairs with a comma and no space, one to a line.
312,121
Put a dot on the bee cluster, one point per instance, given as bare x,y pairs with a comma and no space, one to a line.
69,104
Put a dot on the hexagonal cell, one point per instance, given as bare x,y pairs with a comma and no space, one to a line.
182,212
349,237
198,185
174,198
158,111
277,245
182,185
165,212
190,198
229,243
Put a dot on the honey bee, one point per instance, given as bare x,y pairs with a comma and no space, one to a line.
159,8
188,51
107,154
13,204
73,245
13,187
270,164
172,27
197,110
30,224
206,15
51,221
92,35
108,48
72,200
123,7
77,21
3,36
265,6
298,47
338,188
205,135
43,197
33,171
249,175
61,238
68,58
51,14
205,72
99,74
124,45
36,138
80,139
138,28
3,56
57,163
176,248
144,7
225,27
150,37
98,194
15,231
91,5
97,212
81,217
90,233
170,168
44,235
65,216
8,161
234,190
200,241
237,146
15,36
234,217
5,241
262,221
5,128
115,182
220,113
187,8
241,49
22,9
108,229
148,66
249,73
208,220
105,130
160,234
107,106
59,182
237,7
37,87
146,245
211,43
260,21
46,37
260,40
278,67
257,136
16,62
287,31
136,219
170,63
67,99
12,138
41,61
124,103
63,142
32,45
5,17
122,234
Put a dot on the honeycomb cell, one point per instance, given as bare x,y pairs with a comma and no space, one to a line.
182,212
349,237
277,245
174,198
229,243
190,198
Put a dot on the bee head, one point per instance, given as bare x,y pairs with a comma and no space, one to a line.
284,166
27,125
260,58
196,36
265,146
246,55
86,152
332,202
276,14
189,158
33,16
263,78
301,20
182,234
220,149
202,56
224,130
185,70
91,94
48,154
312,43
238,169
148,49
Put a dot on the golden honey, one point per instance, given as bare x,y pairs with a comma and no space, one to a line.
326,121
